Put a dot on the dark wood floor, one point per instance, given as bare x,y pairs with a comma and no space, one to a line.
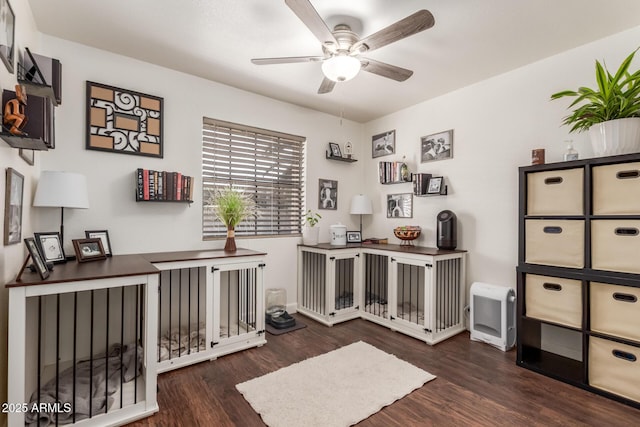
476,384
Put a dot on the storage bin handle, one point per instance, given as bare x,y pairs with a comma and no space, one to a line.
552,230
553,180
628,174
552,286
624,355
626,231
624,297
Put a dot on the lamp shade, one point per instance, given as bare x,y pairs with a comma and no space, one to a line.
341,68
361,204
61,190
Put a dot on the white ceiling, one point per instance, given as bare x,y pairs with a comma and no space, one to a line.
471,40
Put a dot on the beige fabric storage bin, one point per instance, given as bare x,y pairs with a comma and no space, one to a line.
615,245
554,299
555,242
615,310
616,189
614,367
557,192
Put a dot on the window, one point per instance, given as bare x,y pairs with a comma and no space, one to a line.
264,164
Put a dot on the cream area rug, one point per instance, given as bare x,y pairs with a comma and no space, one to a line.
339,388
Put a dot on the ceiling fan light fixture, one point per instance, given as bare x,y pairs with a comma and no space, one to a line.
341,68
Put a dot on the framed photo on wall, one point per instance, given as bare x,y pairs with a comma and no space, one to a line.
327,194
383,144
7,34
438,146
13,207
400,205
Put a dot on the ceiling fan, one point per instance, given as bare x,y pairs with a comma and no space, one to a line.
342,48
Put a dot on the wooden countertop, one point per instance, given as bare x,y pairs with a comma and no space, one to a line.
158,257
416,250
73,271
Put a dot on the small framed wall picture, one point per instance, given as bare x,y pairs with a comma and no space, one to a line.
13,207
383,144
400,205
103,235
327,194
7,35
335,149
354,237
438,146
50,246
38,262
435,185
88,250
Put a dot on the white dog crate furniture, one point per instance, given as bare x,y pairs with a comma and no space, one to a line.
83,329
579,274
414,290
328,282
210,303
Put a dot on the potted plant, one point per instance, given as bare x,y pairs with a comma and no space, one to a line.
231,207
610,113
310,233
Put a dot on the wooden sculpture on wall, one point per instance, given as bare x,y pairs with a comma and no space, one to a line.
14,115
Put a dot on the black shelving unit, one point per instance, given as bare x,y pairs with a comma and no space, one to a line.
24,142
585,209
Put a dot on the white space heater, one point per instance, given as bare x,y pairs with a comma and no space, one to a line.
493,315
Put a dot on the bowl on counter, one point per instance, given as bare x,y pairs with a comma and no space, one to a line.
407,234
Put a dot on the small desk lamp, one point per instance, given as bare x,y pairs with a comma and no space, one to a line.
361,205
61,190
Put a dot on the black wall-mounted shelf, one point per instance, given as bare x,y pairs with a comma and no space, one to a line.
24,142
341,159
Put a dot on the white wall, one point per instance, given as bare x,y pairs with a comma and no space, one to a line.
153,227
12,256
496,125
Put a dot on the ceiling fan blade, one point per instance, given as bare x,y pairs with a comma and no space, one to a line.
287,60
412,24
326,86
386,70
309,16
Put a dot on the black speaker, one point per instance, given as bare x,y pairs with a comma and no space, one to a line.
447,230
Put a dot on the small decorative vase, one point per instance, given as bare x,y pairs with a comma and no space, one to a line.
620,136
310,235
230,245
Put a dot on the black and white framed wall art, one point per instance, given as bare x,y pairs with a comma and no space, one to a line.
400,205
7,34
438,146
13,207
327,194
383,144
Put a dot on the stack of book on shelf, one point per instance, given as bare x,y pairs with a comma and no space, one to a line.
393,172
162,185
420,183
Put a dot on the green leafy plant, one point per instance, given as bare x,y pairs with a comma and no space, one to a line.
231,206
617,97
311,218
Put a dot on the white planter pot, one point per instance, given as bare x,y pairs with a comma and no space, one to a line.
310,235
621,136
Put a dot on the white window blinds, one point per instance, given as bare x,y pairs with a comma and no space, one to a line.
266,165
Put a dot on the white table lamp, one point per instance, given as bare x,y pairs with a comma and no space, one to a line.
61,190
361,205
